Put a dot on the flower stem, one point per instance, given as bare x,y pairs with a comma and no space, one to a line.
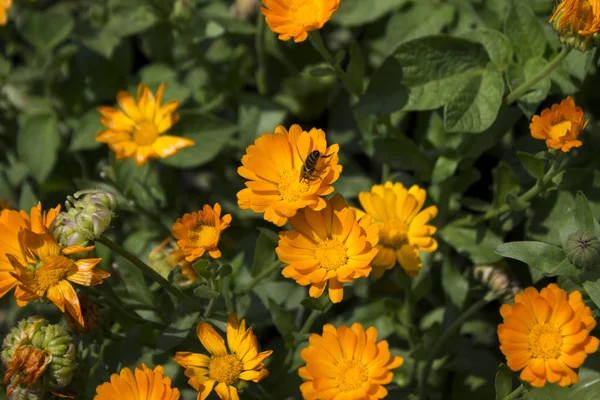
515,393
525,86
446,336
149,272
261,57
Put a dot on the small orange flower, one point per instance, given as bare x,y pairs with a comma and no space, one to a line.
347,363
273,166
138,131
295,18
146,384
199,232
546,334
577,16
560,126
4,7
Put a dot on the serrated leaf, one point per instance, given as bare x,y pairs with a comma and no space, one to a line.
503,382
38,142
541,256
525,31
533,165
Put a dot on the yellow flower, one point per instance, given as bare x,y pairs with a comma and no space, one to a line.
11,222
560,126
346,363
546,334
295,18
4,6
273,166
577,21
137,132
199,232
224,370
43,270
403,229
146,384
330,245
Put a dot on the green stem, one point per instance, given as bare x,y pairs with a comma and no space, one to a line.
314,314
261,57
525,86
446,336
515,393
149,272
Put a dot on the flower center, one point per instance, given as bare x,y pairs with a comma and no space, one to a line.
145,133
204,235
545,341
225,369
393,233
331,254
45,278
561,129
351,375
291,188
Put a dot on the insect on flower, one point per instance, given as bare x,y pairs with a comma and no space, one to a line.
309,167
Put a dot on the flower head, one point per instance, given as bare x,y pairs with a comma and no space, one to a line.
43,269
199,232
546,334
403,229
144,384
11,223
560,126
273,166
137,131
347,363
295,18
328,246
226,368
577,22
166,256
4,7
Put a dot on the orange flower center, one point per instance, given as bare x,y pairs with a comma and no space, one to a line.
205,236
331,254
351,375
225,369
545,341
561,129
291,188
145,133
45,278
393,233
304,12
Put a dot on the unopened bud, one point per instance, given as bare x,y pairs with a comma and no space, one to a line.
577,24
583,249
498,281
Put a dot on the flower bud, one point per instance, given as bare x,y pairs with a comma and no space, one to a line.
31,393
498,281
38,356
577,24
583,250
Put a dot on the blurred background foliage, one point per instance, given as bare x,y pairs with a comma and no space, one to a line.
235,80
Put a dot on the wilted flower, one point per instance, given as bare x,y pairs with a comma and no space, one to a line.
228,367
347,363
583,250
137,132
39,356
89,313
146,384
166,256
498,281
560,126
577,23
4,7
546,334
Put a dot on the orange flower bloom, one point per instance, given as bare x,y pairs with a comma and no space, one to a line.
274,167
146,384
347,363
46,272
199,232
330,245
4,7
224,370
295,18
577,16
138,131
163,259
560,126
546,334
11,223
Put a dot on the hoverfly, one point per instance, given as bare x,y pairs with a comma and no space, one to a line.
310,166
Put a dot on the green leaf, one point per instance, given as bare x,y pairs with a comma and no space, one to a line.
264,254
519,73
46,30
454,283
401,152
505,182
28,198
583,214
524,31
444,168
131,21
503,382
181,327
356,67
359,12
273,236
496,44
84,134
38,142
541,256
477,243
284,322
593,290
206,292
317,304
515,203
533,165
384,95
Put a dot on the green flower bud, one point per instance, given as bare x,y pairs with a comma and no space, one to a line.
498,281
583,249
30,393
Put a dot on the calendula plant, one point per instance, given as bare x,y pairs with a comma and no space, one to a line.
299,199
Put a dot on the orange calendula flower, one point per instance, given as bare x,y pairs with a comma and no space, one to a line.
577,21
137,131
225,369
4,7
43,270
144,384
279,180
11,223
328,246
403,229
546,334
347,363
560,126
199,232
295,18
